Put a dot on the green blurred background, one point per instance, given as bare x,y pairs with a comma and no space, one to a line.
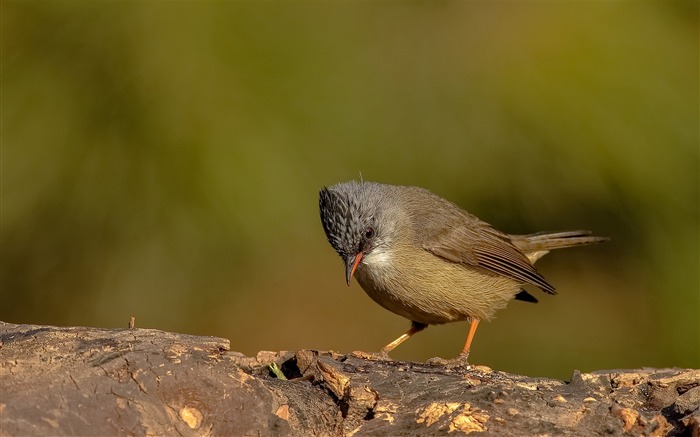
162,159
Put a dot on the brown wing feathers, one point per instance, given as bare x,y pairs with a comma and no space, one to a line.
454,235
477,244
512,267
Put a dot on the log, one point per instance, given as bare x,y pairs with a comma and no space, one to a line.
91,381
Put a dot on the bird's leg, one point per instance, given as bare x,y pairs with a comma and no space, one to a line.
468,344
461,359
415,327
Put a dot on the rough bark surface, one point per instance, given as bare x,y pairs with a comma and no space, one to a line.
89,381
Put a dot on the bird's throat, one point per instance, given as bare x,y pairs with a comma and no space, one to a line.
377,259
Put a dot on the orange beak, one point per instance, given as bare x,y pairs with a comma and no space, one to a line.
350,265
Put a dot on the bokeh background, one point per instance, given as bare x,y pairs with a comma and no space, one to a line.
162,159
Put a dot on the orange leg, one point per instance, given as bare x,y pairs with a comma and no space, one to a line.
415,327
472,330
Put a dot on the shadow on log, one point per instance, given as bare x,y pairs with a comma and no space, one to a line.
89,381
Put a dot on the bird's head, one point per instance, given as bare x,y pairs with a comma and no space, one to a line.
352,216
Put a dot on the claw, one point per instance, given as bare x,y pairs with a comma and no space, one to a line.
458,362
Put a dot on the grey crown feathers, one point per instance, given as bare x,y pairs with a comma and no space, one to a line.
348,222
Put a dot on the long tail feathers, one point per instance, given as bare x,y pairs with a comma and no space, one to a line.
546,241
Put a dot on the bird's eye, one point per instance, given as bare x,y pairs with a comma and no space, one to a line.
369,232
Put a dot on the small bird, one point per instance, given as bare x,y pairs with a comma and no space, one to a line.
422,257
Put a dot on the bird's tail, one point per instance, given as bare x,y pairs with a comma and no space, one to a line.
537,245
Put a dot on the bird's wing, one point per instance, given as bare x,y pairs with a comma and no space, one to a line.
461,238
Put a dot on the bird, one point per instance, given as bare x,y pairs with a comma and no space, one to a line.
424,258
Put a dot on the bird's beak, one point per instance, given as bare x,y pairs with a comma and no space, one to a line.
350,265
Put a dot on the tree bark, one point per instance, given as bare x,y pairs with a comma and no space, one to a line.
90,381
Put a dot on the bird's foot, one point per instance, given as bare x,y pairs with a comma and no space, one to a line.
458,362
376,356
382,355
